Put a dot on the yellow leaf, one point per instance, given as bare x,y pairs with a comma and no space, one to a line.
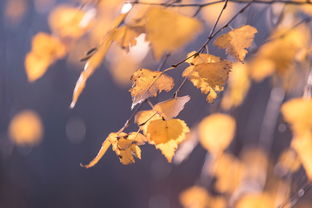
298,113
125,36
195,197
91,66
162,131
66,21
148,83
236,41
256,200
46,49
143,118
124,145
216,132
238,86
208,73
167,30
303,147
169,148
289,161
227,181
172,107
26,128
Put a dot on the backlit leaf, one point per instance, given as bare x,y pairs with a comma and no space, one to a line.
172,107
208,73
195,197
148,83
168,30
216,132
236,41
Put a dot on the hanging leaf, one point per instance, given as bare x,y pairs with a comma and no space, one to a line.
172,107
46,49
148,83
126,35
216,132
168,30
236,41
208,73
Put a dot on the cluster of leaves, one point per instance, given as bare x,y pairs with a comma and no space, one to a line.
284,56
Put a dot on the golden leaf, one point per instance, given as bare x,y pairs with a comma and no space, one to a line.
46,49
195,197
208,73
256,200
236,41
65,21
125,36
162,131
159,25
303,147
298,113
26,128
227,181
289,161
238,86
210,13
143,118
148,83
124,145
212,134
172,107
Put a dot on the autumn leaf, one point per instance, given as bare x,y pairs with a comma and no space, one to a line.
208,73
95,60
195,197
256,200
212,134
26,128
147,83
46,49
66,21
126,35
168,30
238,86
236,41
172,107
161,131
124,145
288,161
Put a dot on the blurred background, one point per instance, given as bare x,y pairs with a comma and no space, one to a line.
45,171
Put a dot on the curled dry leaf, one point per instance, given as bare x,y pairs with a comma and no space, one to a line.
216,132
164,39
46,49
236,41
124,145
148,83
172,107
95,60
208,73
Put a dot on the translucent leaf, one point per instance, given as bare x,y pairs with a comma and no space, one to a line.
236,41
143,118
125,36
46,49
195,197
65,21
256,200
238,86
216,132
172,107
208,73
124,145
26,128
148,83
91,66
176,30
162,131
